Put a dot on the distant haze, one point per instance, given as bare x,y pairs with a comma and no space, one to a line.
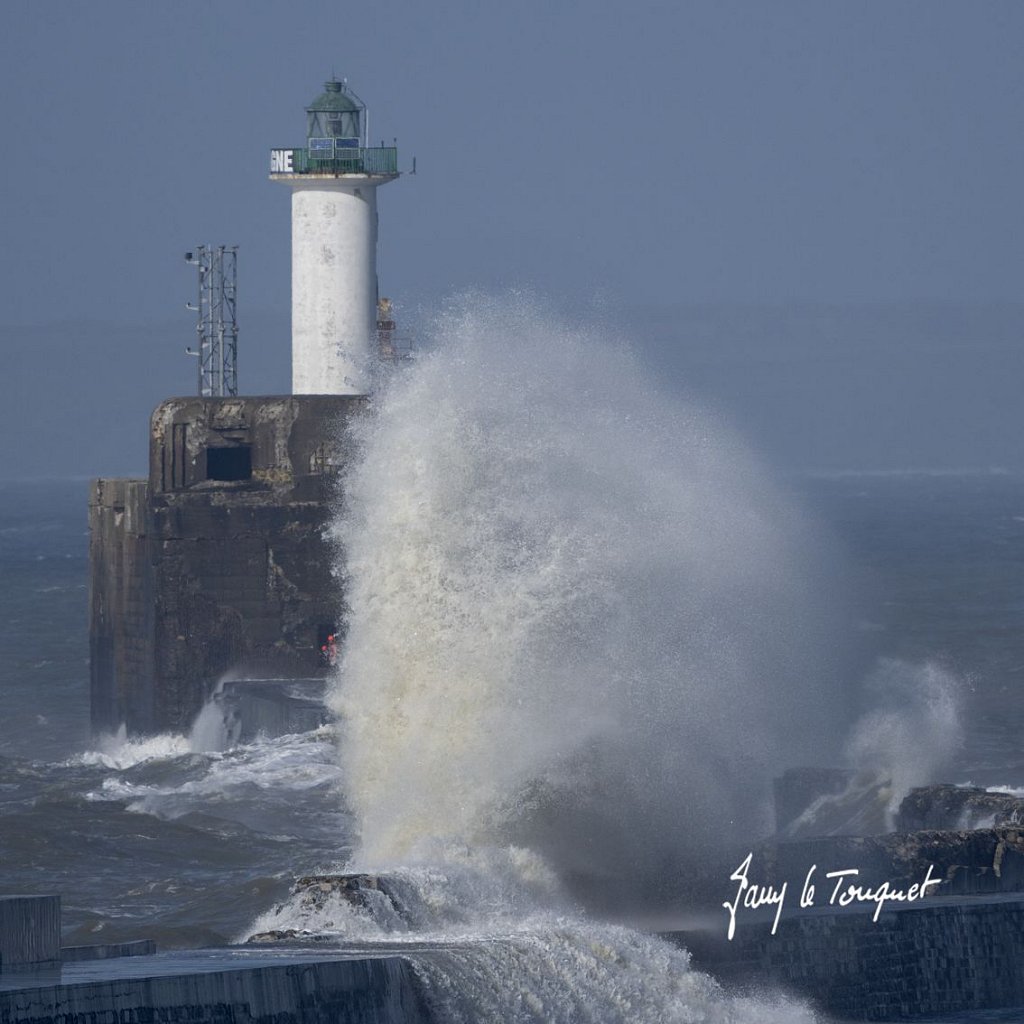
806,212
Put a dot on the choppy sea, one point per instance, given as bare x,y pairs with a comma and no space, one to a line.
157,839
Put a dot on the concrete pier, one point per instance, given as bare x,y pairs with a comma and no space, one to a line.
107,951
214,986
941,956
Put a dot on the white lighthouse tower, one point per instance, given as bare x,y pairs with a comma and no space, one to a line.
334,183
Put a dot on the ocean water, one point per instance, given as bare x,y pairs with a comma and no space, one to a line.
550,674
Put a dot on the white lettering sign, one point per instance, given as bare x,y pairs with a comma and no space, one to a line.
281,161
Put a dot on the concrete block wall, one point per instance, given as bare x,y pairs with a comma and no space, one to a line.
355,991
940,957
107,951
121,602
29,932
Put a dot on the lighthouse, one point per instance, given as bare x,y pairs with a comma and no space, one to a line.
334,182
241,489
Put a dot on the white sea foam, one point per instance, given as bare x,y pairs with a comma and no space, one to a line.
286,765
118,751
1016,791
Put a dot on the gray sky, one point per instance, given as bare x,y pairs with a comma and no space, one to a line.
807,212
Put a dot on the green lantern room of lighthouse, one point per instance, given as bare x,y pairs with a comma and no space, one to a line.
337,139
335,120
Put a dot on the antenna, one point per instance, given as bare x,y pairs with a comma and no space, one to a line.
217,324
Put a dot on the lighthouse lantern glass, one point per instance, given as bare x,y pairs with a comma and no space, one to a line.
334,114
336,124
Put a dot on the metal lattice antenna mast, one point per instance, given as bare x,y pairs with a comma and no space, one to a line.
217,324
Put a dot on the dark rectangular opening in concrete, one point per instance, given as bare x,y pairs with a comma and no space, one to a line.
233,463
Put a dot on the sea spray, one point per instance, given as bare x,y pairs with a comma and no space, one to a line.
579,628
911,730
909,733
579,616
600,973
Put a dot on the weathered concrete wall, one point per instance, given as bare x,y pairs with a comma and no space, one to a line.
293,990
221,560
294,440
108,951
29,931
120,602
938,957
960,948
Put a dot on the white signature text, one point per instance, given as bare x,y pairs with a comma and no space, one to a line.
843,893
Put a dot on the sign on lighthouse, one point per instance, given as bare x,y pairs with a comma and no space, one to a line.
334,182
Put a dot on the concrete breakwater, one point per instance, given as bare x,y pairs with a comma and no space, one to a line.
938,957
213,986
957,948
127,983
959,951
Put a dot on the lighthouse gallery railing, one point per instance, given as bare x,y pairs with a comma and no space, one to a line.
375,160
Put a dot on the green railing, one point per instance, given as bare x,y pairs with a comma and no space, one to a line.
376,160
